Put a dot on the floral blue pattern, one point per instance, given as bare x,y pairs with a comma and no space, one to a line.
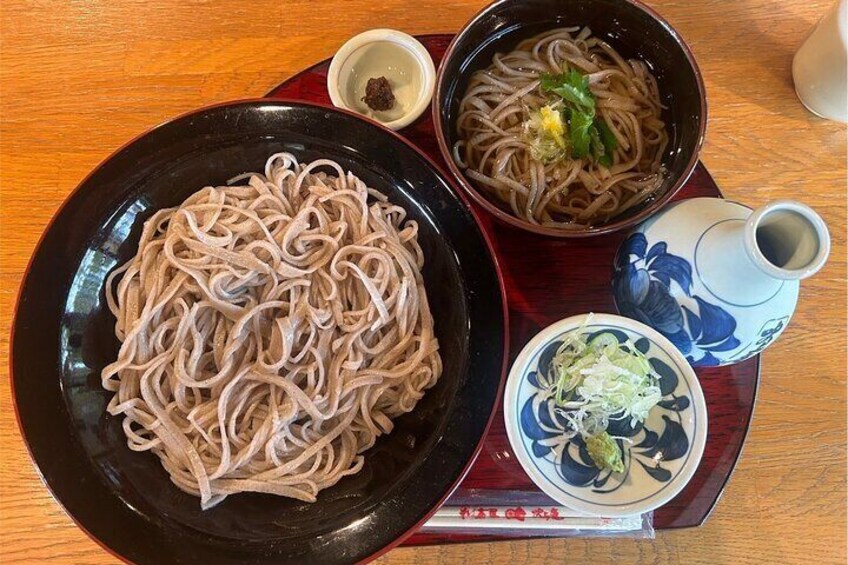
643,286
546,429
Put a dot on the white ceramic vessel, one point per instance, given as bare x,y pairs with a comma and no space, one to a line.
716,278
820,67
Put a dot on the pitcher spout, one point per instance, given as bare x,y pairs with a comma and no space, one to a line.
787,240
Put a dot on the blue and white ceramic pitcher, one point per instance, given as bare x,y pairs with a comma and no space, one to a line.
718,279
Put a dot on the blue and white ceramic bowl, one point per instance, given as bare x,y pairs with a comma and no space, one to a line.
660,456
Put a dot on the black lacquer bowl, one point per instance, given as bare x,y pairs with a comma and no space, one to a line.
63,336
629,26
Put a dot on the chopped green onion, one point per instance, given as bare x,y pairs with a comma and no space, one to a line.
597,380
545,132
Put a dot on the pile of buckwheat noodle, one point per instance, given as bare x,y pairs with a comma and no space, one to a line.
568,193
270,332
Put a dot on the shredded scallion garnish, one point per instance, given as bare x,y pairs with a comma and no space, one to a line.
597,379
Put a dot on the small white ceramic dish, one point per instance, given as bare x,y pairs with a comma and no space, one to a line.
400,58
660,456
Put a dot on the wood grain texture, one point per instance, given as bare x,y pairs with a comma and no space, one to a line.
79,78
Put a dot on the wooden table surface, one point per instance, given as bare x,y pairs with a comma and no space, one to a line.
79,78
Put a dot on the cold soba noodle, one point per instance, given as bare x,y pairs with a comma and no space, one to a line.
270,332
563,130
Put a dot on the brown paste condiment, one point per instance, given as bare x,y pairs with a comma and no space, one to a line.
378,94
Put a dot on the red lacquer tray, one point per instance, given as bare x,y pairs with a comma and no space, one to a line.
548,279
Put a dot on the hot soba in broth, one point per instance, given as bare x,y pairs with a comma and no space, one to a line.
563,130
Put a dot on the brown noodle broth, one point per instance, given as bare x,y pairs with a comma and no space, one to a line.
566,193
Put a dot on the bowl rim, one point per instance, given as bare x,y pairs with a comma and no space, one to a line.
26,439
516,376
404,41
609,227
